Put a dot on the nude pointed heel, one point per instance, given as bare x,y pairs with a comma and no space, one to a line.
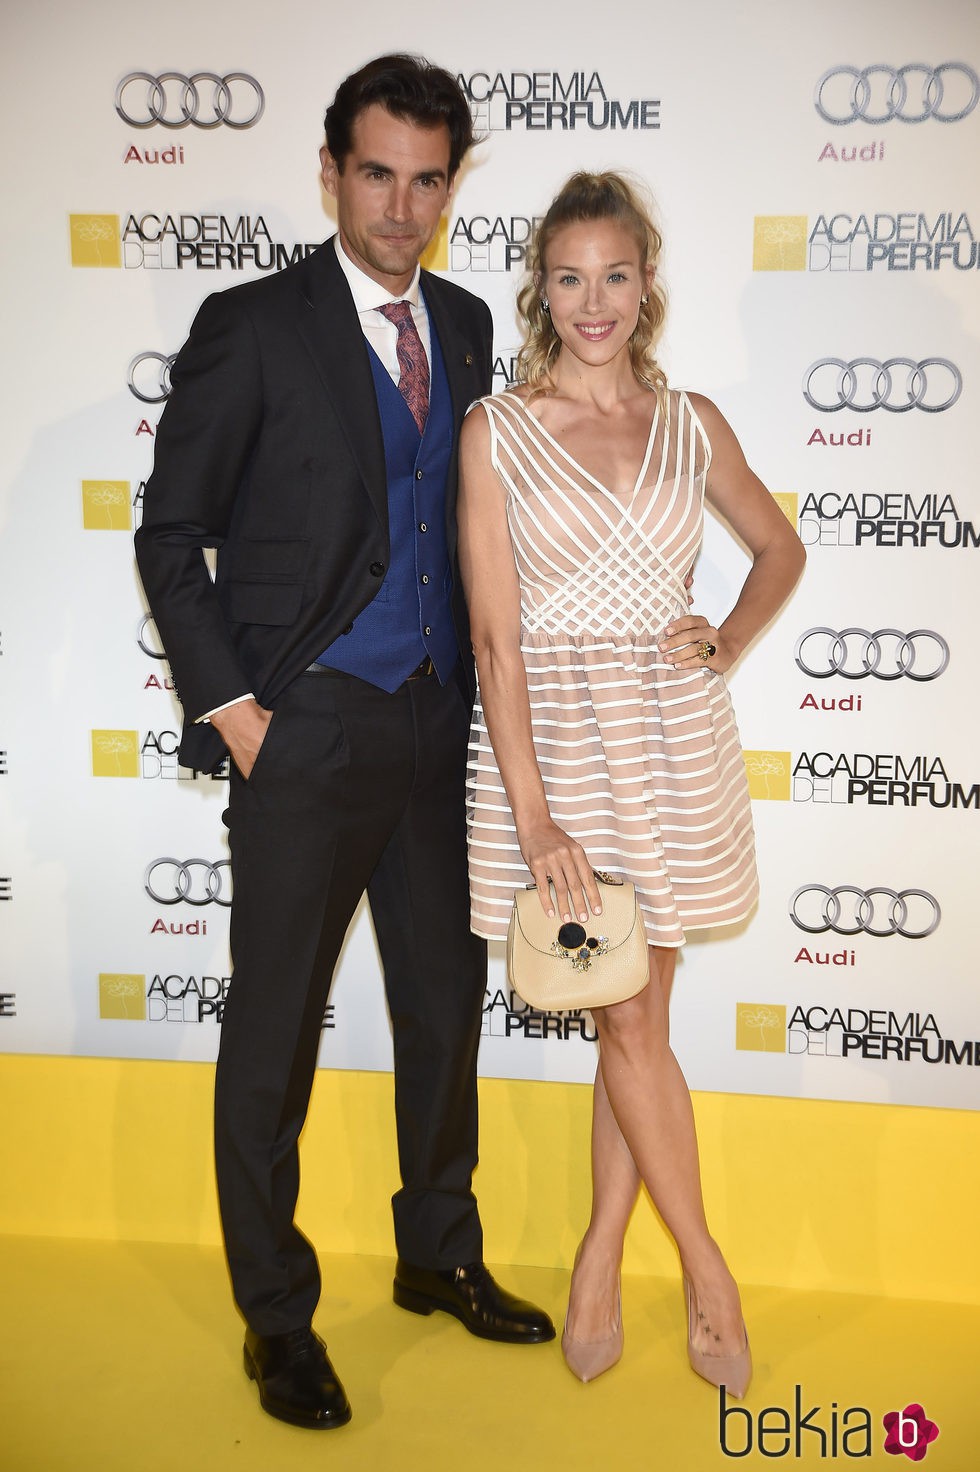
734,1371
589,1358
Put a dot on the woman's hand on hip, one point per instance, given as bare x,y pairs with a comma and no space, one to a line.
690,642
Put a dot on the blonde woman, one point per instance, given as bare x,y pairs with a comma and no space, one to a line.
603,732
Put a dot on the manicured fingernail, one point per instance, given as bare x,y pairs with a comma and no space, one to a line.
551,913
598,909
583,915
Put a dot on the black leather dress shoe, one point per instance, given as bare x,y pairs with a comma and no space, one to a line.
296,1380
471,1294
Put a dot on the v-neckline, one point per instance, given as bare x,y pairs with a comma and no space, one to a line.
599,485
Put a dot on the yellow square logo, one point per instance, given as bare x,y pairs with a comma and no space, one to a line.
779,243
106,506
95,240
115,754
435,257
122,996
768,773
788,503
760,1027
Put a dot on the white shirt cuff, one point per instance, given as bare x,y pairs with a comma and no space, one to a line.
227,706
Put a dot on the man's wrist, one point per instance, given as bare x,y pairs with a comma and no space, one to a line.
238,700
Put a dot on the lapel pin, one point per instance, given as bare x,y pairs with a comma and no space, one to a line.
469,360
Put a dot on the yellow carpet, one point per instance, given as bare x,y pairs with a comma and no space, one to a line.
126,1357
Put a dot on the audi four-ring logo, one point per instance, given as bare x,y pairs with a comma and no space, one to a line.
846,910
149,641
148,376
195,881
887,654
204,99
863,384
911,93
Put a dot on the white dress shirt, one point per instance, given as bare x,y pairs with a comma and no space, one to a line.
368,295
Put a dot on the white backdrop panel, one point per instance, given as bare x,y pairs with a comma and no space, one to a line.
791,239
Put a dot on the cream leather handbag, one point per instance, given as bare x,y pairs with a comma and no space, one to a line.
562,967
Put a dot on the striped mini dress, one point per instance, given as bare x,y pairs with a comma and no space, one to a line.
641,762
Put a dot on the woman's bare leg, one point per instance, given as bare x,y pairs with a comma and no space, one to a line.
593,1302
645,1093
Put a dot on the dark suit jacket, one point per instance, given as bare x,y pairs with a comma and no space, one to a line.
270,449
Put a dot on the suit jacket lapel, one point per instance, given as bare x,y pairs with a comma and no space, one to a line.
332,332
458,354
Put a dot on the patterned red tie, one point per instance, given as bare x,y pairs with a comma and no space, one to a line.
413,365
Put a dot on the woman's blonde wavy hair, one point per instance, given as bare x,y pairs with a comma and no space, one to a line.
585,197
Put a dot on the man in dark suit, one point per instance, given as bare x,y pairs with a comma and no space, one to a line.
311,438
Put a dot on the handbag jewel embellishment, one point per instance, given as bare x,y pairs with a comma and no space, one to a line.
574,945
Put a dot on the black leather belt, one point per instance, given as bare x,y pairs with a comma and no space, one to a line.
425,668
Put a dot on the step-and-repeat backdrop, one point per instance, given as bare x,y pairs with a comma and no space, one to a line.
812,172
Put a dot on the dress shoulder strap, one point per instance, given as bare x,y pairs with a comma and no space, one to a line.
503,418
694,437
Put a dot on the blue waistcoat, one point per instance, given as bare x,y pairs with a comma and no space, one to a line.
411,615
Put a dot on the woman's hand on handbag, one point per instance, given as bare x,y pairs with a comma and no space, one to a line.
551,855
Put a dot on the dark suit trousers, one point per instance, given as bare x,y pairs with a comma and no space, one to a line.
354,789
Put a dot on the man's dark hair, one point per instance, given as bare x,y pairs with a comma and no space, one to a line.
409,87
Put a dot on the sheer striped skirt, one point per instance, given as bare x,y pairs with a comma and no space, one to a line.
642,765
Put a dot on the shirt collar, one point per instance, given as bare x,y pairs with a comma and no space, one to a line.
369,294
